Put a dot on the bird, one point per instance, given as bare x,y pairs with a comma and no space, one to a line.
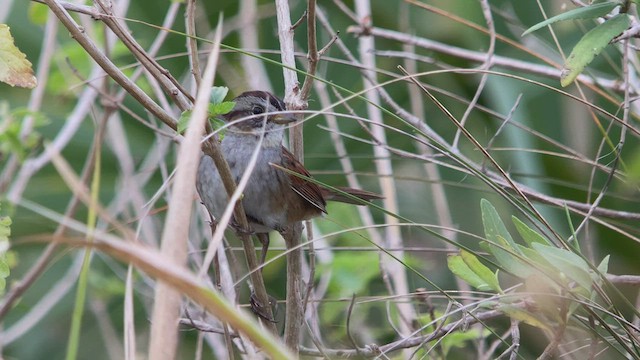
273,199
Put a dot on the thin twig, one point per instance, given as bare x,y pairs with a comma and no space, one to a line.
325,48
392,237
227,334
299,21
486,65
348,325
312,270
192,43
376,350
255,73
90,47
501,171
312,49
515,339
18,289
169,84
294,101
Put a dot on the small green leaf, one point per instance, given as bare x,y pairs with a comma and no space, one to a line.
525,316
528,234
183,121
586,12
5,228
507,258
218,126
481,270
493,225
218,93
5,231
226,107
499,242
604,265
221,108
457,266
592,44
567,263
542,270
12,141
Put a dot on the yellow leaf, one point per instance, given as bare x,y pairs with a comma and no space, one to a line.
15,69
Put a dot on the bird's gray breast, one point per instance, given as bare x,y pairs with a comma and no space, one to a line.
263,199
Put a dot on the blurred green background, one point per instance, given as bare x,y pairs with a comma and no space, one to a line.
518,151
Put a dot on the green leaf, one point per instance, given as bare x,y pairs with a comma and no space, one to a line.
528,234
218,93
221,108
12,141
592,44
604,265
217,106
586,12
456,264
218,126
225,107
525,316
507,258
499,242
5,231
183,121
542,270
493,225
567,263
481,270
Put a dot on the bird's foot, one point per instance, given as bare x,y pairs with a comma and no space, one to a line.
260,309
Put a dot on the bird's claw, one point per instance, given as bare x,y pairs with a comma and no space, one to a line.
260,310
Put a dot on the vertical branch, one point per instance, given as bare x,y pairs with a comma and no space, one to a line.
440,203
218,283
295,101
312,52
166,310
393,237
192,43
256,74
129,312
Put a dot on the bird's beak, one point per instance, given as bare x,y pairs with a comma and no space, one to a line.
283,119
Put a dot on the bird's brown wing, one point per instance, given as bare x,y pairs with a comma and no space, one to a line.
308,190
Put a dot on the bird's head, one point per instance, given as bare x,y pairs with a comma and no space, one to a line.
258,111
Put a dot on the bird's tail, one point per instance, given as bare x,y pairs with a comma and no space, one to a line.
360,195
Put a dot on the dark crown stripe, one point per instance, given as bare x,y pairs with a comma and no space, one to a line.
273,100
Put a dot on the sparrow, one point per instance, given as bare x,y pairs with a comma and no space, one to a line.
273,199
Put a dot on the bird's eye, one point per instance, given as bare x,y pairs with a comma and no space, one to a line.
257,110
